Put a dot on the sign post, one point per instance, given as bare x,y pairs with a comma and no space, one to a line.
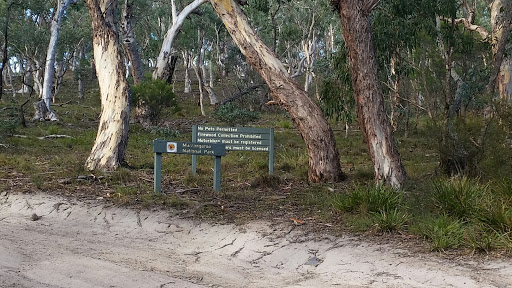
236,139
163,146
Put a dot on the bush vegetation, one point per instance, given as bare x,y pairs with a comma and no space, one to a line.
471,213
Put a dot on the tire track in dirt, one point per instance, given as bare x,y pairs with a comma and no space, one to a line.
90,244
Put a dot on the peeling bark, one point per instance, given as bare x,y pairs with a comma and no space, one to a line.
375,125
112,138
129,43
324,164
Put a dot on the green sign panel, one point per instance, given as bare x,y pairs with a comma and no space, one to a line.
236,139
162,146
175,147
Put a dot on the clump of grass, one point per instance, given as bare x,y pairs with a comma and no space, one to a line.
443,231
392,220
460,197
485,240
266,181
286,124
368,199
121,176
380,206
497,216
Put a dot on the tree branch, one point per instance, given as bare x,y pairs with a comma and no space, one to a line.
242,93
471,27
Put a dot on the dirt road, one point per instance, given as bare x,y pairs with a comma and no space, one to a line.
88,244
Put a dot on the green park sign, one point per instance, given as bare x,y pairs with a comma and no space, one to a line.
174,147
236,139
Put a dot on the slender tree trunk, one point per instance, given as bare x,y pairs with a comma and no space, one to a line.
373,120
186,65
79,72
504,80
324,164
501,73
49,71
112,138
5,57
129,43
162,63
198,72
210,73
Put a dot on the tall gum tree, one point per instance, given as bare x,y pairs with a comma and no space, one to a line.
501,21
130,44
163,60
373,121
112,138
49,71
324,164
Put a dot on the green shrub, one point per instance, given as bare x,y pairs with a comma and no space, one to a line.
7,128
165,132
153,96
233,115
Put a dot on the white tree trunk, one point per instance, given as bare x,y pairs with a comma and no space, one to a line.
504,80
197,70
323,156
186,65
210,70
130,45
112,138
49,71
78,71
162,62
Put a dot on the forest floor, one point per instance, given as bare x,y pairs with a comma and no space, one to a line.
56,241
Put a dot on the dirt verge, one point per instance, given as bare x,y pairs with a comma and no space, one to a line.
50,241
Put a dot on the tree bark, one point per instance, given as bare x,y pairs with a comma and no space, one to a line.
162,63
501,20
129,43
49,71
377,131
186,65
112,138
324,164
5,56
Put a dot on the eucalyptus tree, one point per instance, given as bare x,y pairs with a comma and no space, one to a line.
497,35
324,164
178,17
75,47
5,8
49,70
373,121
111,140
29,33
129,42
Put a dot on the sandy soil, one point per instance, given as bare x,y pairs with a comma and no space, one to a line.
89,244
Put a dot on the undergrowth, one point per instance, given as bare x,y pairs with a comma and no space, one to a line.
460,213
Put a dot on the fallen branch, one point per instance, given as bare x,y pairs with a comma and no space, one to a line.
242,93
54,136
